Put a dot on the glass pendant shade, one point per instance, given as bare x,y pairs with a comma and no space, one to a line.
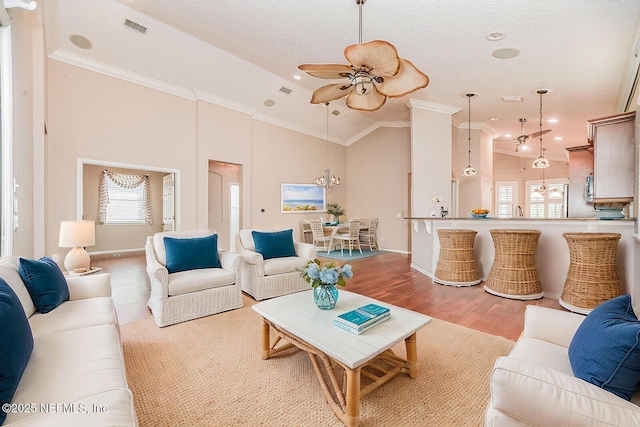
541,163
469,171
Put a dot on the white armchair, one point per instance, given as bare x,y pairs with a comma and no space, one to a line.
273,277
186,295
535,385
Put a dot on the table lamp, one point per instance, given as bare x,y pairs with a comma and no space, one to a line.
77,235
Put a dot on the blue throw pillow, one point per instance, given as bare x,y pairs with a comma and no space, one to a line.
191,254
45,282
16,344
274,244
605,350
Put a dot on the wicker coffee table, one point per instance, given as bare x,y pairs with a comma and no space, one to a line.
367,359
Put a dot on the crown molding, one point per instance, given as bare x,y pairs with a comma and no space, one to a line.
119,73
432,106
482,126
223,102
373,127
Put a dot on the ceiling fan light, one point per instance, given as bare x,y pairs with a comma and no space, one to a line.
362,83
369,102
469,171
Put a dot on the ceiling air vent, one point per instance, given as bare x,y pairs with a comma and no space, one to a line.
512,98
335,112
135,26
285,90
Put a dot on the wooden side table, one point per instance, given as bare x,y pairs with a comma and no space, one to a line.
513,273
593,271
457,265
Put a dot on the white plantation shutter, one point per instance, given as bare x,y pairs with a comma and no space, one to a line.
549,206
506,198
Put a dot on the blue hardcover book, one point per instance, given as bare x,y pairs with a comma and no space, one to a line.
361,329
363,316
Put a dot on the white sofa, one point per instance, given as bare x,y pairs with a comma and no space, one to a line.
273,277
535,385
187,295
76,374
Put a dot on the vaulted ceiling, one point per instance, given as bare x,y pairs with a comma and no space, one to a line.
240,53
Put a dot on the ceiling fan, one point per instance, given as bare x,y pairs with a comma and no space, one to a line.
374,73
523,139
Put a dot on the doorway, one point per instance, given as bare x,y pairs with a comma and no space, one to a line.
225,201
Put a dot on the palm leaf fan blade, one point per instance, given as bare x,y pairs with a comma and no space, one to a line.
370,102
378,57
408,79
327,71
330,92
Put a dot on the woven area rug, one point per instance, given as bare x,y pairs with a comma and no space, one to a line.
208,372
337,255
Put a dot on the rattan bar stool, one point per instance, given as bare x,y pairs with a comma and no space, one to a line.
513,273
593,271
457,266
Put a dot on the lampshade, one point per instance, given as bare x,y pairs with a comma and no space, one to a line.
77,234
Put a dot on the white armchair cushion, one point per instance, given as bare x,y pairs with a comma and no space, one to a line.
184,282
283,265
533,350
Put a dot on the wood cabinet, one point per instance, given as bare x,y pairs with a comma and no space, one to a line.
613,140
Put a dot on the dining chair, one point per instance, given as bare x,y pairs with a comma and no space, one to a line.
352,236
368,236
319,236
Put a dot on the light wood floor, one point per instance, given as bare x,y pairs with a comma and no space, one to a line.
387,277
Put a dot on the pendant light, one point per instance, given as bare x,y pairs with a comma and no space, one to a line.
543,188
541,162
327,181
469,170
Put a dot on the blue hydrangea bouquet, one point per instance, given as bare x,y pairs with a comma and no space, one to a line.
329,274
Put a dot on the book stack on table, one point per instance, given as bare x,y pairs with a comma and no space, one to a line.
359,320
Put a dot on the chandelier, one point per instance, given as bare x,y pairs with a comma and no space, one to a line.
541,162
469,170
327,181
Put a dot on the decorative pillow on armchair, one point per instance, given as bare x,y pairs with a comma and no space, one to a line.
274,244
191,253
605,350
16,344
45,282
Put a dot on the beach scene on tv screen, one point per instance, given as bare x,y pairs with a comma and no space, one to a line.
297,198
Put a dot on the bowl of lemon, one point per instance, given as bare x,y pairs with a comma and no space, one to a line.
479,213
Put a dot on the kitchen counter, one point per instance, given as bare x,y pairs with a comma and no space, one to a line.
552,253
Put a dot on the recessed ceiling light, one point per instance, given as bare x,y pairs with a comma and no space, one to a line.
507,135
506,53
558,138
297,77
493,119
269,103
553,120
494,36
515,98
80,41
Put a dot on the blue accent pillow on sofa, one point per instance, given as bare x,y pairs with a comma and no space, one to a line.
45,282
16,344
605,350
191,253
274,244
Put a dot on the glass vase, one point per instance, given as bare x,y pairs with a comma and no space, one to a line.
325,296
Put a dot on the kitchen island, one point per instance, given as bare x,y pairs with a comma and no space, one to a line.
552,254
